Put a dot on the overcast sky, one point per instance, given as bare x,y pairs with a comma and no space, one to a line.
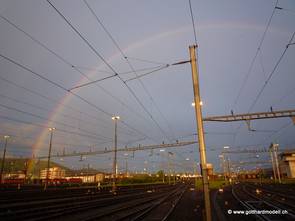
42,57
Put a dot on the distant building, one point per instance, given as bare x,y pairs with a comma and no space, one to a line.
210,169
89,178
287,164
54,173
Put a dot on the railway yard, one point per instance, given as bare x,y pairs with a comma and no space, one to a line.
181,201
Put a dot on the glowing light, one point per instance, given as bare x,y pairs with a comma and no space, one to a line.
116,118
201,103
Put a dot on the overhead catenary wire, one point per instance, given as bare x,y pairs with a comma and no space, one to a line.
145,74
54,83
271,73
45,97
45,126
134,71
108,65
105,78
98,136
121,73
155,69
146,61
193,22
56,143
68,63
100,56
43,108
64,89
245,80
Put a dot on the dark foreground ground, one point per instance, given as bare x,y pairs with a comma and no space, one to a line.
180,202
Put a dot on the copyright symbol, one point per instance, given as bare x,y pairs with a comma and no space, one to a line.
229,211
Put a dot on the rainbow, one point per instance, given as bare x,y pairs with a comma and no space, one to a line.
139,44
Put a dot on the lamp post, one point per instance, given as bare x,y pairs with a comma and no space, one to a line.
6,137
115,118
51,129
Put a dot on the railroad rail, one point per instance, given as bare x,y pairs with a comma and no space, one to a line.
259,202
93,205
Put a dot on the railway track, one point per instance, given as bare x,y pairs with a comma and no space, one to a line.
259,205
88,207
9,197
282,200
141,209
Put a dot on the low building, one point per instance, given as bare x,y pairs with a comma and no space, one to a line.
88,178
287,164
53,173
210,171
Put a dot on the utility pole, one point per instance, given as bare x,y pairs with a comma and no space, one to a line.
200,132
126,164
222,165
275,148
51,129
3,158
229,170
114,187
272,163
169,167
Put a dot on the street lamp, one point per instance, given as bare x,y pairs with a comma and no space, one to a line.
6,137
115,118
51,129
194,104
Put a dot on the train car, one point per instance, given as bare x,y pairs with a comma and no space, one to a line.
75,181
14,181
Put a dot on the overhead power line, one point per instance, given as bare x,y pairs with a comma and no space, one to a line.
111,68
99,136
134,71
84,39
71,65
255,56
54,83
147,61
155,69
130,79
272,73
46,126
245,80
47,98
64,89
193,21
45,109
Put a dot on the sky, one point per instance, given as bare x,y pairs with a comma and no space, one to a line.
50,47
